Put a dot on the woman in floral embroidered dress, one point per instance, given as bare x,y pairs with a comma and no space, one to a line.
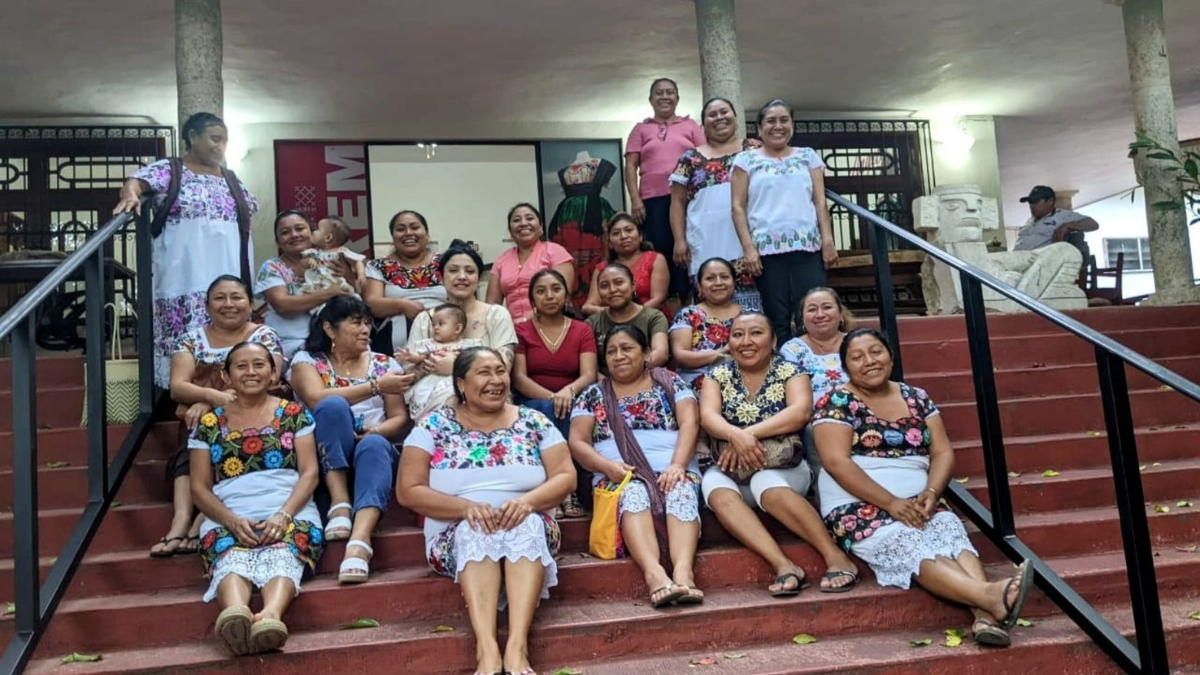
700,333
403,284
203,218
781,217
279,281
357,399
654,437
198,386
887,461
254,468
756,397
701,201
487,475
651,274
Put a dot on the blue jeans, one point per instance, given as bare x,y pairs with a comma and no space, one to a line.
370,462
583,482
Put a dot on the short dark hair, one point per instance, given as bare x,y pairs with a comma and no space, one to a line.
661,80
196,124
242,345
773,103
341,228
865,331
458,312
704,108
226,278
338,309
460,247
462,366
407,212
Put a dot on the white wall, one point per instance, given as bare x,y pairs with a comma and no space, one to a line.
979,165
463,190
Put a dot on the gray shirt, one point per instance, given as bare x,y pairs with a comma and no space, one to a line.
1040,232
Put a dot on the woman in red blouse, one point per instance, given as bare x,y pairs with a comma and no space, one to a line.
555,360
628,246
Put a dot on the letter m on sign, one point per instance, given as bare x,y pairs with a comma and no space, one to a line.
352,176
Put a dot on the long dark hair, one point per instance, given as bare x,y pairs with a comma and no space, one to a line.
523,205
407,212
773,103
622,216
284,214
853,335
337,310
196,124
624,270
847,322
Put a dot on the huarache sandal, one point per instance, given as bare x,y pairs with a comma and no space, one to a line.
784,591
691,596
571,508
991,635
356,570
837,574
268,635
670,594
337,528
1024,579
167,552
233,629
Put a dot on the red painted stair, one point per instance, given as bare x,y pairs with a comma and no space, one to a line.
145,615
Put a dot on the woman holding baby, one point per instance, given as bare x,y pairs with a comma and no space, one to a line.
406,282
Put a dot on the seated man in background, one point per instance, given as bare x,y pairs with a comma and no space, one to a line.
1049,224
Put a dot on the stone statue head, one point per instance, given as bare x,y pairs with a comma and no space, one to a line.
956,213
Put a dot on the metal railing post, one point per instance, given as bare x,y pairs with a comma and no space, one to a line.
1131,506
887,298
145,310
988,405
25,483
97,431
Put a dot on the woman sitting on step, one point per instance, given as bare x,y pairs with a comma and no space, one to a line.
755,408
643,420
357,399
487,476
254,468
887,461
198,386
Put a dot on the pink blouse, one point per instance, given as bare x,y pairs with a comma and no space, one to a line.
514,277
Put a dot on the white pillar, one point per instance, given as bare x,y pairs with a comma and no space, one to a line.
198,55
720,66
1154,116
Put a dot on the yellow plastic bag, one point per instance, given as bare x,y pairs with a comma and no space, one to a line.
605,531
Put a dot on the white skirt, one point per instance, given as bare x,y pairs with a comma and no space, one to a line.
895,552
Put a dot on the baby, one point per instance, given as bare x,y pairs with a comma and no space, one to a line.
447,323
330,239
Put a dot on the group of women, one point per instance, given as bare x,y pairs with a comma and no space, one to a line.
719,403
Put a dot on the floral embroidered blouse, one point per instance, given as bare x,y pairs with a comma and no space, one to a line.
742,409
780,209
390,271
893,453
708,334
254,473
367,413
292,330
824,369
710,232
195,342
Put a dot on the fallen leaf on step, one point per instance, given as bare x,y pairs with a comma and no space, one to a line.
1024,623
567,671
1166,387
361,623
1194,616
705,661
57,465
52,561
954,637
1188,549
1142,467
1094,434
1038,365
962,480
76,657
734,656
1014,474
114,504
804,639
1156,464
9,608
920,643
1049,473
1159,508
1184,504
43,426
442,628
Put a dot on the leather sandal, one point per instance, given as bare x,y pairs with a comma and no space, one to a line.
356,570
167,552
337,528
233,629
992,635
672,595
1024,578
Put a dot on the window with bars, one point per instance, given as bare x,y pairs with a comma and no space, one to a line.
1136,250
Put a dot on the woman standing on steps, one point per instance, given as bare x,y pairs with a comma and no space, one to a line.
643,420
198,386
254,468
887,461
487,475
759,399
357,399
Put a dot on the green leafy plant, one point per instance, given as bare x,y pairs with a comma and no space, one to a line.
1188,163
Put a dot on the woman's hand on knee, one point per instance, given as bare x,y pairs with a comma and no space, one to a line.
242,530
671,476
482,518
908,512
512,513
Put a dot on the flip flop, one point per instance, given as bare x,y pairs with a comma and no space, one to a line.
186,548
1024,577
669,598
689,597
168,552
268,635
992,635
233,629
844,588
783,592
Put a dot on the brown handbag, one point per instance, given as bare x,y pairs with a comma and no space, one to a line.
782,452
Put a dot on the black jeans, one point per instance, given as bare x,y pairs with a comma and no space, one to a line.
657,230
785,279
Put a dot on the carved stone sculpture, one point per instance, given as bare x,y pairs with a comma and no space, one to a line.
954,218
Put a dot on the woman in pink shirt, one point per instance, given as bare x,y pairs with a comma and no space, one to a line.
512,270
651,153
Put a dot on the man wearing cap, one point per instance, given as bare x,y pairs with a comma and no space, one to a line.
1049,224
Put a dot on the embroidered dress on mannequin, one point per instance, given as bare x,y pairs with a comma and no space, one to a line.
578,222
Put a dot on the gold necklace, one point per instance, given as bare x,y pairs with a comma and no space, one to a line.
552,345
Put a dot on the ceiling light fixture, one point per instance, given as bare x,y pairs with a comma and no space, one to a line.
429,148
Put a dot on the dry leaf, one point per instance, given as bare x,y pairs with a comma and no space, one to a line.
1156,464
567,671
706,661
44,426
361,623
1194,616
1159,508
1094,434
57,465
962,480
442,628
1024,623
9,609
734,656
114,504
1142,467
1188,549
954,637
1014,474
76,657
804,639
920,643
1184,504
1166,387
1049,473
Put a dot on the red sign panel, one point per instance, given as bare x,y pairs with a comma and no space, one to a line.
321,178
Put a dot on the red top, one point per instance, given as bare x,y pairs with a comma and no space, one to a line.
554,370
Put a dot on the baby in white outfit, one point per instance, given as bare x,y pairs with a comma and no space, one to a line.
447,323
329,240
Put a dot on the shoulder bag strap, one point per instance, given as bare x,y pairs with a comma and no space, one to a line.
160,215
243,217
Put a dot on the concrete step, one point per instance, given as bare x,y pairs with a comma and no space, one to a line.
1080,450
69,444
1106,320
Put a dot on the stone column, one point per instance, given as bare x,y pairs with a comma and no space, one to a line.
720,66
198,58
1154,116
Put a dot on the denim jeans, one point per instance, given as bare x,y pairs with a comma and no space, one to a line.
370,462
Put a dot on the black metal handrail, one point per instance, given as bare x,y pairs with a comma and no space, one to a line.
1149,657
36,602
